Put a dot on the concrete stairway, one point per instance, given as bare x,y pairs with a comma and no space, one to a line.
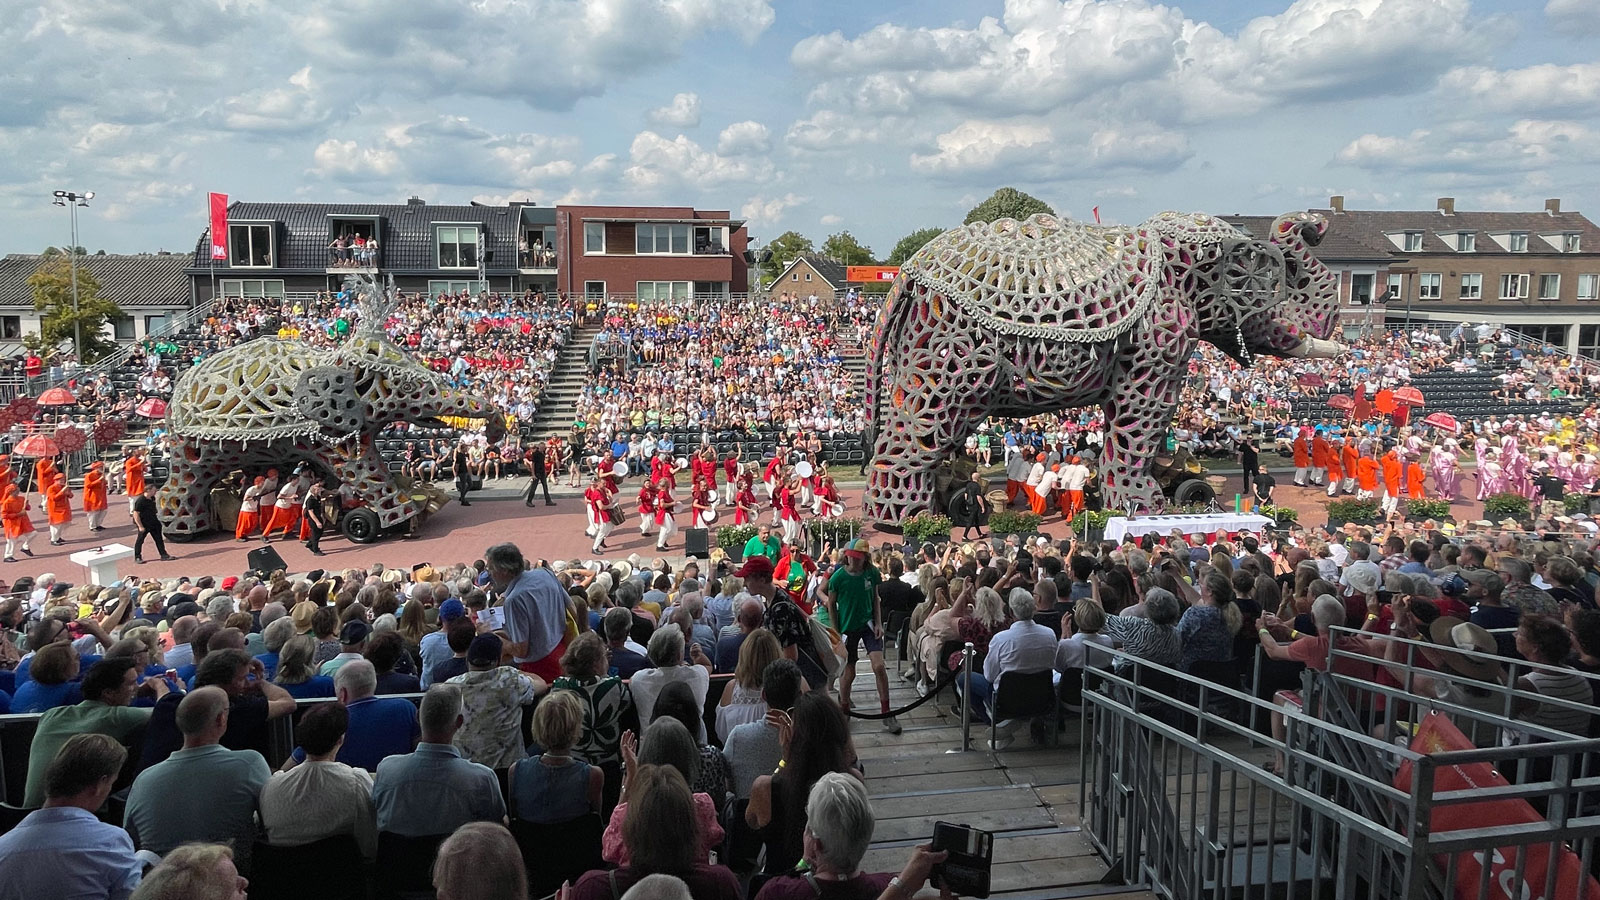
561,395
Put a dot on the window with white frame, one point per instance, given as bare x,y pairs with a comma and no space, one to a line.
1472,286
121,328
1589,341
1517,241
435,288
11,328
710,239
250,245
1430,286
657,240
1413,241
252,287
1549,287
1466,242
457,246
1396,285
1361,287
1513,287
663,290
594,237
1589,287
1571,242
594,289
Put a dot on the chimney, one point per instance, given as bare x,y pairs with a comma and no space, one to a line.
415,201
1447,206
1553,206
1336,203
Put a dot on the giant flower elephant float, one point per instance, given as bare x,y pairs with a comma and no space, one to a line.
277,403
1014,319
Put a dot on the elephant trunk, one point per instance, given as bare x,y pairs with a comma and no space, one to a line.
1316,348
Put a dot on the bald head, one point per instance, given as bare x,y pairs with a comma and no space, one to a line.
203,716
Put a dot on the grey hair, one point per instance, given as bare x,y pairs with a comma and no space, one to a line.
277,634
1327,611
505,558
617,622
385,622
220,606
665,648
667,742
659,886
1138,561
1517,568
840,817
1161,606
629,594
358,677
1022,603
1048,594
272,612
1398,582
440,706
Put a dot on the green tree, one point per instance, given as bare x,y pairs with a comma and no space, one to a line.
784,248
1007,203
911,243
52,293
846,249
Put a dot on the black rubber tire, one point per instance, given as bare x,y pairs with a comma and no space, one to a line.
1192,491
360,526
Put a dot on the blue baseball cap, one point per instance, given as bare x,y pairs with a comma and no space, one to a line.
452,609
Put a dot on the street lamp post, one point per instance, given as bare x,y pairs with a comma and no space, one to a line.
72,200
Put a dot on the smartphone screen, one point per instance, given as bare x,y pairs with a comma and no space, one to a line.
966,871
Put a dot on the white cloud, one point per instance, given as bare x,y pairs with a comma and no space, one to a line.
1039,151
281,110
768,211
1042,55
826,130
451,150
743,138
682,112
1470,149
342,159
979,146
1538,88
1574,16
830,219
658,161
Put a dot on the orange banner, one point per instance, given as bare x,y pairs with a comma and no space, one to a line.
871,273
1438,734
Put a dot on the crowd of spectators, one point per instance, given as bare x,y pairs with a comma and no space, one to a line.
774,361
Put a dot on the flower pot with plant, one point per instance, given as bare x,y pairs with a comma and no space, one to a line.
1507,506
1421,509
1348,510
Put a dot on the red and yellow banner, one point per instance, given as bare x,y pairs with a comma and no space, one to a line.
871,273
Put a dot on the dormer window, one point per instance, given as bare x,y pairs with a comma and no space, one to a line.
1571,242
1518,241
1413,241
1466,242
250,245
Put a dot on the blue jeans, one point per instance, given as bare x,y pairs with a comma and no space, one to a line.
979,691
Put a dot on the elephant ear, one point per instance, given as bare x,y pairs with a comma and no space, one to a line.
327,396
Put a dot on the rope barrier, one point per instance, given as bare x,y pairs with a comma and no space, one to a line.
932,692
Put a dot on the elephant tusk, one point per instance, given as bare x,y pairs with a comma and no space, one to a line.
1316,348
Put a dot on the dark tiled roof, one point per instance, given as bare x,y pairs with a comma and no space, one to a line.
136,281
1372,226
405,233
1340,244
830,270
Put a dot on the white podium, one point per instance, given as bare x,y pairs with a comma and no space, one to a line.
102,562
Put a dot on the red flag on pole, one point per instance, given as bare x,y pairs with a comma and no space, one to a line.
1097,215
219,226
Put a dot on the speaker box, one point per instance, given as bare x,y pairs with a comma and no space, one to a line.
265,560
697,542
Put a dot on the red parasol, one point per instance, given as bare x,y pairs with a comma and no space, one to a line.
23,409
1311,380
151,408
37,444
1444,421
7,418
109,431
71,438
1384,401
1342,401
57,396
1409,396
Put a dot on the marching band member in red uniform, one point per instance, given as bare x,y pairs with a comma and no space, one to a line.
744,503
705,504
731,471
647,508
599,503
772,474
789,511
827,498
665,504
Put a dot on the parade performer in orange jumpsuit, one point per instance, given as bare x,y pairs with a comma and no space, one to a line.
95,498
58,506
19,527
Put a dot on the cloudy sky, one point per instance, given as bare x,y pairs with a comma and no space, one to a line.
816,115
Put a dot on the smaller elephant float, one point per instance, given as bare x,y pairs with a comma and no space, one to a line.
279,403
1015,319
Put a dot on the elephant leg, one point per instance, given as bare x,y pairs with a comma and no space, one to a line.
900,480
183,502
1143,396
357,464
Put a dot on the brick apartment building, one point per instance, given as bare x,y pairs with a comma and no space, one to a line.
1533,272
277,249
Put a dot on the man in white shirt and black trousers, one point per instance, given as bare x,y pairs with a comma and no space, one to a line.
1023,648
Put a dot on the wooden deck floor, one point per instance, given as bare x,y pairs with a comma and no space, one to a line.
1026,795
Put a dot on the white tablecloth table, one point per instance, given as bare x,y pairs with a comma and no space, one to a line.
1121,526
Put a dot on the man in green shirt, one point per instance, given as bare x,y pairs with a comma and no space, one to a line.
852,602
764,543
108,688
